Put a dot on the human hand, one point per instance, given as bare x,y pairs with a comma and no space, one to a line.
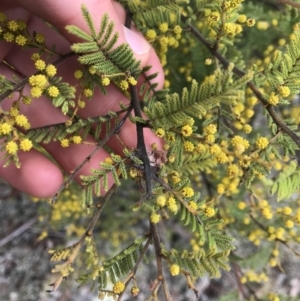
38,175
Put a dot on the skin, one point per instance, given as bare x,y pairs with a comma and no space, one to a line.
38,175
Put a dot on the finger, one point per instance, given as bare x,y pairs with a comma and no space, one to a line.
68,12
14,13
93,108
37,176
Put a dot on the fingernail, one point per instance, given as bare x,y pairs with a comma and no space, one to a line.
137,43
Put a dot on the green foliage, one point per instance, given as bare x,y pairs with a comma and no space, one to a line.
287,182
227,138
100,52
258,260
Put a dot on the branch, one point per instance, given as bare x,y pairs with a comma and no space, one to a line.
160,273
134,270
251,85
17,232
88,232
24,81
100,144
291,3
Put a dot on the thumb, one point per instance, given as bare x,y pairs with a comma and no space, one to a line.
68,12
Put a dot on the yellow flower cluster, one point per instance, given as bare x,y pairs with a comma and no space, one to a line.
20,40
188,192
177,29
211,129
193,205
134,291
124,85
174,269
25,145
163,27
11,147
5,128
50,70
250,22
273,297
118,287
233,170
161,200
150,34
251,276
132,81
76,139
172,204
230,29
65,142
213,18
154,218
40,38
21,120
186,130
105,81
38,83
209,211
53,91
160,132
40,65
284,91
88,92
188,146
274,233
261,142
230,5
239,144
78,74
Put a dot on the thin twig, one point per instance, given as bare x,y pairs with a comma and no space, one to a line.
100,144
17,232
158,252
88,232
291,3
134,270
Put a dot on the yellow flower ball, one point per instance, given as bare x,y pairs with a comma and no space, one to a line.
53,91
21,120
118,287
210,211
40,65
5,128
50,70
36,92
78,74
154,218
64,143
161,200
20,40
150,34
262,142
25,145
11,147
77,139
188,192
160,132
186,130
105,81
174,269
124,85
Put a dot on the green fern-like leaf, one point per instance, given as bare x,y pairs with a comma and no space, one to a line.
287,183
175,110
